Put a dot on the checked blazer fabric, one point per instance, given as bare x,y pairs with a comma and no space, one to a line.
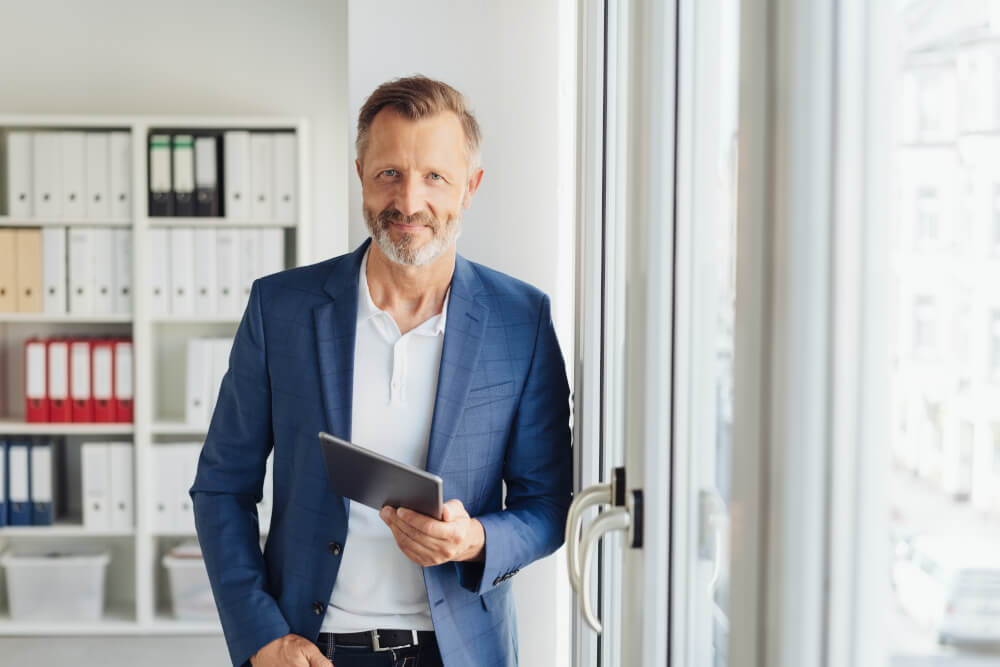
501,415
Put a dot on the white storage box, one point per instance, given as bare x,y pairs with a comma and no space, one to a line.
190,591
55,585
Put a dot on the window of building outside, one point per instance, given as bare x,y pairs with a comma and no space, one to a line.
944,477
928,214
924,325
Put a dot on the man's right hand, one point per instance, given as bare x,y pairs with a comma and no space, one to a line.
290,651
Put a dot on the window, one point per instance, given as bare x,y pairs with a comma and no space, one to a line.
924,326
928,212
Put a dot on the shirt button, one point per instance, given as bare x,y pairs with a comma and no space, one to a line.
317,608
335,548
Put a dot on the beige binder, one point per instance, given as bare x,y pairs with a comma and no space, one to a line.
28,250
8,272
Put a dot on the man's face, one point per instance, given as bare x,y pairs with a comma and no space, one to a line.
415,184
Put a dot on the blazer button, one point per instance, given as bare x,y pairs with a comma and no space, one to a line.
334,548
317,608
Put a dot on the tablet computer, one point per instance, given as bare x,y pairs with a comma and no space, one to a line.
375,480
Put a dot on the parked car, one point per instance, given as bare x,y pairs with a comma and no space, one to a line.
951,586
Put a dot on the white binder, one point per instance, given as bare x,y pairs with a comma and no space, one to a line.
122,282
122,506
199,369
19,175
186,465
58,370
270,251
205,272
120,179
262,176
19,469
237,174
41,483
226,257
248,262
96,491
159,280
98,181
35,372
74,169
104,271
80,365
285,179
162,508
54,270
103,366
47,174
82,280
181,271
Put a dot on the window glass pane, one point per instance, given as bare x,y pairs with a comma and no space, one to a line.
945,471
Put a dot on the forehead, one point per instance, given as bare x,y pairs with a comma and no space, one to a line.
438,138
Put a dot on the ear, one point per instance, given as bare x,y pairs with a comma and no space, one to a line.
357,165
474,181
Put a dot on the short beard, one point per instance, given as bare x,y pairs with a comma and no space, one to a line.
402,251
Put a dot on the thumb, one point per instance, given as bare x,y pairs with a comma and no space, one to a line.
315,657
452,510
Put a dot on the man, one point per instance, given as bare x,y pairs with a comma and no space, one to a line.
407,348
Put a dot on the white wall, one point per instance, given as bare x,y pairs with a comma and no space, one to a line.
239,57
515,63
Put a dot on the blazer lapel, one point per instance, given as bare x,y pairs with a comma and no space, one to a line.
463,338
335,323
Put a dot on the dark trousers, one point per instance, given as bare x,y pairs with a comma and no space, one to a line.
422,655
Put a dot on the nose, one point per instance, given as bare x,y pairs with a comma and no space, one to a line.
409,199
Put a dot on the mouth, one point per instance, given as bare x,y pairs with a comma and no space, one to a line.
407,228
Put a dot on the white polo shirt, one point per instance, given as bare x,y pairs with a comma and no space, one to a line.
395,382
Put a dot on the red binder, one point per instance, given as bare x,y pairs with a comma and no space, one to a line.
36,405
60,409
80,384
124,387
102,365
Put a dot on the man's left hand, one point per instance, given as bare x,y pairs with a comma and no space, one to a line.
427,541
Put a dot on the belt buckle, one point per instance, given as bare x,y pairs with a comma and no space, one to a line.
378,648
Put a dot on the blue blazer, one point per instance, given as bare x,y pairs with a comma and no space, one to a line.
501,414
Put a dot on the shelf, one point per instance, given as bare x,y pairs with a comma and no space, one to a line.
195,319
61,530
7,221
116,621
177,428
215,222
49,318
72,428
166,624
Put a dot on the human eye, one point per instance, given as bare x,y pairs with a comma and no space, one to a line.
389,172
436,176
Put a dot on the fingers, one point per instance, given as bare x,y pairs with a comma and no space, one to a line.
420,523
416,551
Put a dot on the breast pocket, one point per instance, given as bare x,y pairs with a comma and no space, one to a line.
489,394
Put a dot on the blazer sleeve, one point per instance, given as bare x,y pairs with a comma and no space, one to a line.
228,487
538,471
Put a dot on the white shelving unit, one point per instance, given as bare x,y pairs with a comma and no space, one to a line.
136,591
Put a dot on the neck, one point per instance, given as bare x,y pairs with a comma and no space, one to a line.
409,290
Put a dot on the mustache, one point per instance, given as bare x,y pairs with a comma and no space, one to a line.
392,215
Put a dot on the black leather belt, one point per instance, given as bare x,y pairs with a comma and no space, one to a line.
379,640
